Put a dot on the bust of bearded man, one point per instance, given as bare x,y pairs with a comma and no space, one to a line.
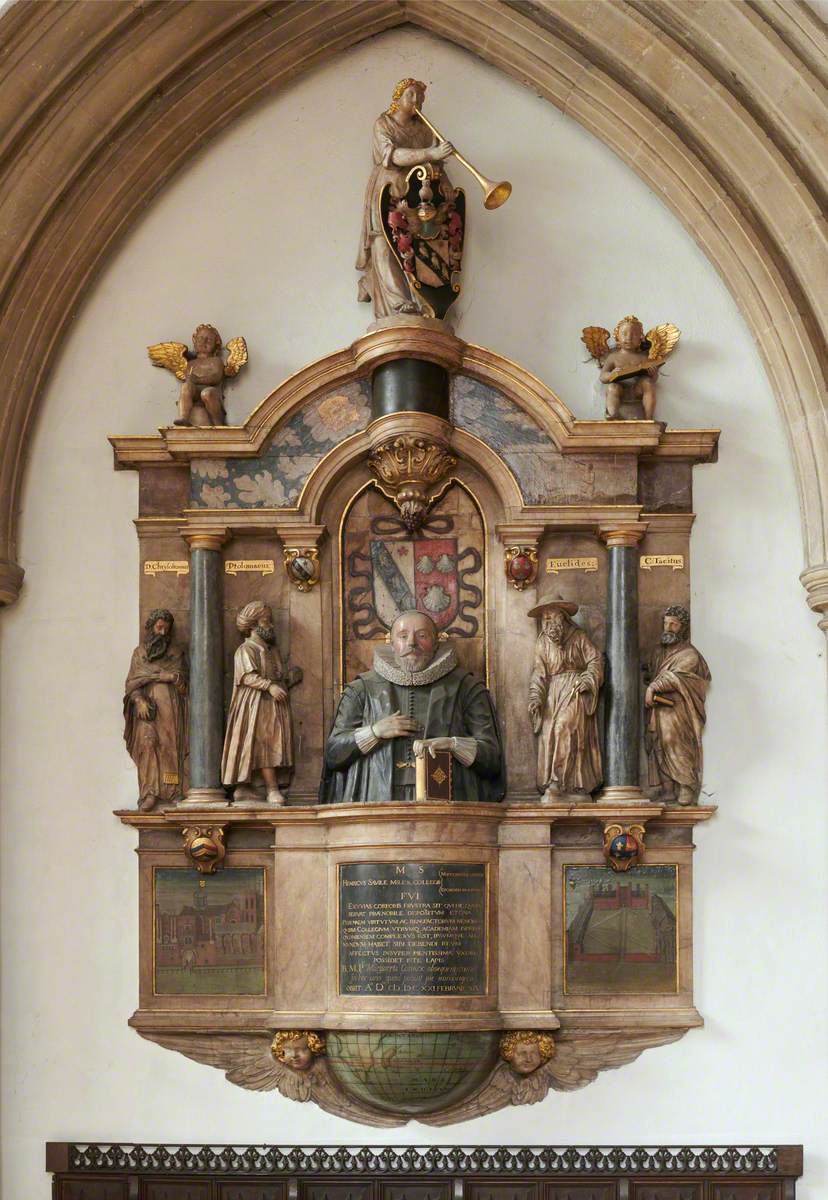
414,699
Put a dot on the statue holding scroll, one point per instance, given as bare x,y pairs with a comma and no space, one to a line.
415,700
563,699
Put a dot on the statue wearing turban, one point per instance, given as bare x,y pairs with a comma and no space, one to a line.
258,744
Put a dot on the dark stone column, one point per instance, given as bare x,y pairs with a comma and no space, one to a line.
206,670
410,385
622,694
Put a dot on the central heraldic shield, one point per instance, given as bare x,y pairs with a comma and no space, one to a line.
416,574
387,571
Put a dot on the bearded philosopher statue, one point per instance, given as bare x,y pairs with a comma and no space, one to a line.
675,697
155,713
563,700
415,698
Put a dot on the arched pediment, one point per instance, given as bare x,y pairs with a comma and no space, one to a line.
299,440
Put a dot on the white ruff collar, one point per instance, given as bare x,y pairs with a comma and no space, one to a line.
385,664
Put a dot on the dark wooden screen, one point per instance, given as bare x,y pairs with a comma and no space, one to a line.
105,1171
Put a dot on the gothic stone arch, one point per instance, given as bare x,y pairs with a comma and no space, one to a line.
718,107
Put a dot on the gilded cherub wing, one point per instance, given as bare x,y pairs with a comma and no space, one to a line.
596,340
236,356
581,1054
326,1092
662,339
245,1059
170,355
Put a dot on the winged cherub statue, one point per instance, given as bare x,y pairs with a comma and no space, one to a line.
630,367
202,372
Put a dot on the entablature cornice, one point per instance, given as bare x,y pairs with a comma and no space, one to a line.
288,524
569,518
669,522
328,815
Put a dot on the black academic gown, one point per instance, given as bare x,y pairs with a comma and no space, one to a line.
457,705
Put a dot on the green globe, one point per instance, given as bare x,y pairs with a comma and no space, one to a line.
411,1072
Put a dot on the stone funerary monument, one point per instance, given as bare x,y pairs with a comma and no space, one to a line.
415,711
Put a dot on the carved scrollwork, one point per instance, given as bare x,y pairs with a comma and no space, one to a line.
302,566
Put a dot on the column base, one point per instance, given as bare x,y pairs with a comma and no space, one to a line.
204,798
621,794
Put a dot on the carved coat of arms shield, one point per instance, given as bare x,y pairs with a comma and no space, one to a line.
415,574
425,231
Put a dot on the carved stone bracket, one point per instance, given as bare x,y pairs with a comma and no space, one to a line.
204,846
572,1060
815,582
623,845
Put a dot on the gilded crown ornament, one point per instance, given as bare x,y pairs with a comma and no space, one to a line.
410,468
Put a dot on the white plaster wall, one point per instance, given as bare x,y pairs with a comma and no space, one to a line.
259,236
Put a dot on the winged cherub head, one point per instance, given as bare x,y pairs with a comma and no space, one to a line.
297,1048
525,1050
206,340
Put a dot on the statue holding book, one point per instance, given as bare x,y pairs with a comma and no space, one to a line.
415,705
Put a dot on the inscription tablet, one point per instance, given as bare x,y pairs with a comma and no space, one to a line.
413,929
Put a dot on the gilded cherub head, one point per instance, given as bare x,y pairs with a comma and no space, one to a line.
206,340
297,1048
629,334
525,1050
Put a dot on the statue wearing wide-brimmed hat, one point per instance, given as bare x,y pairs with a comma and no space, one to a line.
567,675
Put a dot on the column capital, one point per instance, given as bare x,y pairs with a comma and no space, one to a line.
297,533
815,582
204,539
521,533
623,535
